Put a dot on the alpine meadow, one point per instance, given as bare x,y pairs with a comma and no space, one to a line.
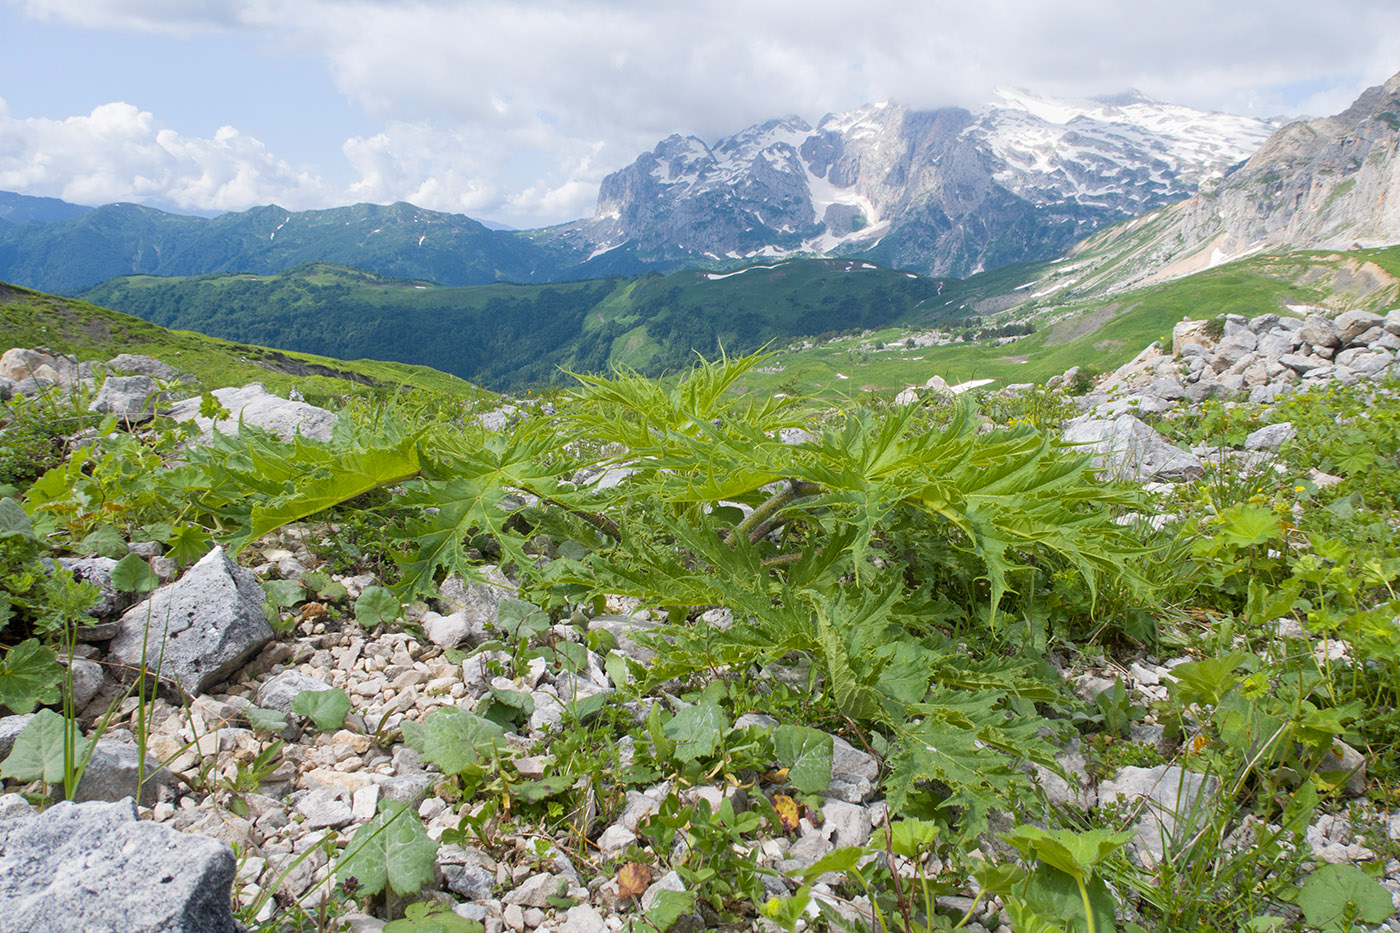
921,518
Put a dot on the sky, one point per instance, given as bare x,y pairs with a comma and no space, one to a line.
513,111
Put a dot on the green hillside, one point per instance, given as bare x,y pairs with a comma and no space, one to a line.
32,319
1101,332
66,256
514,336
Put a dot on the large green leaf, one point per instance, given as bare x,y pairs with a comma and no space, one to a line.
1335,897
326,708
697,730
14,521
393,850
39,754
454,739
807,754
318,476
30,675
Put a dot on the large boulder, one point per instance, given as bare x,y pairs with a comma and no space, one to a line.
131,398
256,406
1126,448
1165,798
95,866
197,630
137,364
1352,324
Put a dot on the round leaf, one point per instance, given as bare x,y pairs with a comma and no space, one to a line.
376,606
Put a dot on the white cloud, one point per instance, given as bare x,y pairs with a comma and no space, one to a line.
121,153
462,87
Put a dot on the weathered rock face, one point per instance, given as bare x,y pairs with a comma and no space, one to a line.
256,406
94,866
1330,183
197,630
946,191
131,398
1127,448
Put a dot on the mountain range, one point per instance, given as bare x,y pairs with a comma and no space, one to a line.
943,192
947,192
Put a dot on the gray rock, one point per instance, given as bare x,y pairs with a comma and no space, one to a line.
1270,437
94,866
452,630
408,788
845,824
1268,394
1319,331
112,772
795,436
97,571
197,630
477,602
1391,325
1126,448
256,406
1264,323
1302,365
1206,388
1166,387
1274,345
88,678
1365,361
1168,796
853,772
1352,324
141,365
324,810
1234,346
622,629
131,398
10,728
469,881
279,691
583,918
1345,758
534,891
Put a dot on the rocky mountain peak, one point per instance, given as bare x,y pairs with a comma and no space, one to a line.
947,191
1326,183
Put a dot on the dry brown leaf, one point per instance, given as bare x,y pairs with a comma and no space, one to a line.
776,777
633,879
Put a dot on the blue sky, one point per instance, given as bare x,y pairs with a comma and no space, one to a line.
515,109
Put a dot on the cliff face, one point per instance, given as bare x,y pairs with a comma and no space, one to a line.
1330,183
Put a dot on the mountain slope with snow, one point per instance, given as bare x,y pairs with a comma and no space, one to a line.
946,192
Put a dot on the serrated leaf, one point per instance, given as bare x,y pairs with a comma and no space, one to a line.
38,753
454,739
425,917
696,730
843,859
14,520
393,850
188,543
377,606
344,474
807,754
30,675
1074,853
669,907
133,574
326,708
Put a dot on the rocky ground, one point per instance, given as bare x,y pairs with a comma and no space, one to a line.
226,810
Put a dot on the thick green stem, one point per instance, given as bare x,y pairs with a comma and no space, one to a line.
1084,893
753,526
